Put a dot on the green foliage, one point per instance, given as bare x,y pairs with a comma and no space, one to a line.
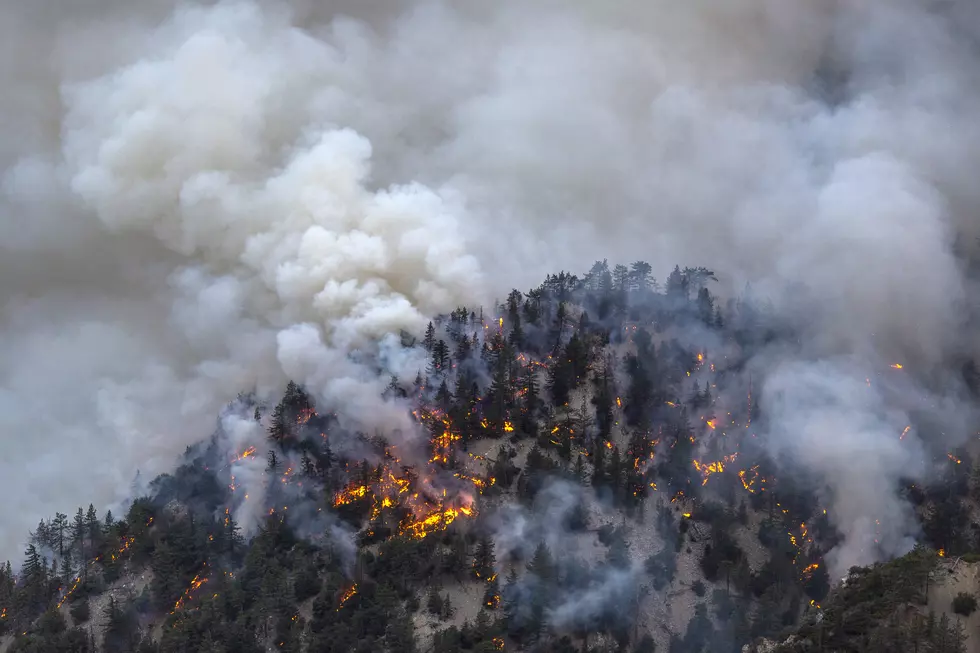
964,604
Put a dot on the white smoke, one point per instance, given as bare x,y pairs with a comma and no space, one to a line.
201,199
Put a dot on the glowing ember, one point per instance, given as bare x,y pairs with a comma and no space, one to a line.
195,584
245,454
350,495
751,478
905,432
435,522
305,416
74,587
508,427
897,366
347,596
619,402
954,459
707,469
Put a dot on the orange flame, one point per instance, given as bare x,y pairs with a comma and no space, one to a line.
347,596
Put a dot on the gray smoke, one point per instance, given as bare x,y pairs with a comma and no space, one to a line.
203,198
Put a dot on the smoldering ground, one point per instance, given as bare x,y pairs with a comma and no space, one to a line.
200,199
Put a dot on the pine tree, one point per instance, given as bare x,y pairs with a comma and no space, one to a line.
307,466
511,596
273,464
93,527
484,559
444,398
602,399
542,564
640,276
464,348
491,595
677,284
706,307
559,380
67,569
434,602
430,337
500,393
59,527
598,463
34,575
440,358
579,471
78,539
558,329
278,429
394,389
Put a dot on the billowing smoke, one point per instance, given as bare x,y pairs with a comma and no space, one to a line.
203,199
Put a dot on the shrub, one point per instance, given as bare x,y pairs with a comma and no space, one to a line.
80,611
964,604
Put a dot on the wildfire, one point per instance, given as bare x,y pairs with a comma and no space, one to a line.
74,587
716,467
195,584
498,643
508,427
942,553
3,613
619,402
350,495
897,366
749,482
435,522
305,416
478,482
905,432
245,454
954,459
347,596
810,568
711,424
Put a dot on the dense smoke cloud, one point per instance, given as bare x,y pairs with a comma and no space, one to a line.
203,199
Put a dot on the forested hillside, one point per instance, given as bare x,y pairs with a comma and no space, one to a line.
588,470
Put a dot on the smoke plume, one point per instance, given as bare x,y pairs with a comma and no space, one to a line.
199,199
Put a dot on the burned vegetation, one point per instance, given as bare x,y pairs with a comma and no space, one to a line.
586,471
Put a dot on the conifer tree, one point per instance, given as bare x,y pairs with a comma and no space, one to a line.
278,429
484,559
